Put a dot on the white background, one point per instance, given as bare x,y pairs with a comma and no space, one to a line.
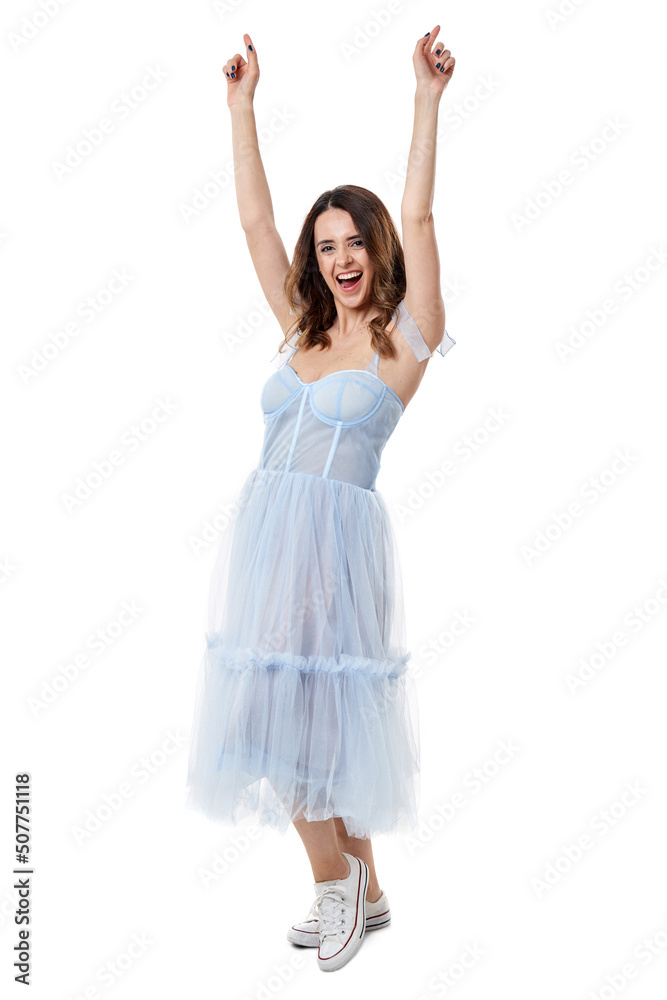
531,97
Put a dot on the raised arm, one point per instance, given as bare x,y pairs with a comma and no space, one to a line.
253,197
434,66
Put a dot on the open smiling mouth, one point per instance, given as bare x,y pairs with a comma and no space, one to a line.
348,284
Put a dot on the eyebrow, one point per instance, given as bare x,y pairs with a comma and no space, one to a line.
355,237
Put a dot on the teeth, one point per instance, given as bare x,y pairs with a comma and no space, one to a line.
352,274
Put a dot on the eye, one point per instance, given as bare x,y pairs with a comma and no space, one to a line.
327,246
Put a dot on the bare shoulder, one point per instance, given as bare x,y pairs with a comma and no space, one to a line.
402,373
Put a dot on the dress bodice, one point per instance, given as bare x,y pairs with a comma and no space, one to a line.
337,426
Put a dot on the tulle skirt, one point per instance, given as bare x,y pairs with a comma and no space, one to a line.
304,705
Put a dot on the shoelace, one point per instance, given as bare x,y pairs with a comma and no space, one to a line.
329,910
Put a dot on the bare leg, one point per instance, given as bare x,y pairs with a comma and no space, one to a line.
359,849
321,843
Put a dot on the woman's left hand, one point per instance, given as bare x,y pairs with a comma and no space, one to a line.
433,70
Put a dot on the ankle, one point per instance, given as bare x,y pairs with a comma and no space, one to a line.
332,870
373,893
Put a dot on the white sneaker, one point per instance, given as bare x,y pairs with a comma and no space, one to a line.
340,911
307,932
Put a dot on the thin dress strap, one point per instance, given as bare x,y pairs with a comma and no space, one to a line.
412,334
281,357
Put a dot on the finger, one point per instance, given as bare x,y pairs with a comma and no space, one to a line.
424,42
235,63
250,48
433,35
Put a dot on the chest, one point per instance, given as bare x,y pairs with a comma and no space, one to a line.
343,398
316,363
401,374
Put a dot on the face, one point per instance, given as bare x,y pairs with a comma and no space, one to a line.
340,249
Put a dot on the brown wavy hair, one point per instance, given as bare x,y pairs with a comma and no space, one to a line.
309,296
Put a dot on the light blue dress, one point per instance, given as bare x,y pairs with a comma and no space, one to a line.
304,706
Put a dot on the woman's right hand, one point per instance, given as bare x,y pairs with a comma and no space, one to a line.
246,75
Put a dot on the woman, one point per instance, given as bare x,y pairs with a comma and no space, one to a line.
304,712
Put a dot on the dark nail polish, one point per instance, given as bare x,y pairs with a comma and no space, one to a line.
442,70
427,34
437,65
233,67
233,75
251,48
227,74
437,52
